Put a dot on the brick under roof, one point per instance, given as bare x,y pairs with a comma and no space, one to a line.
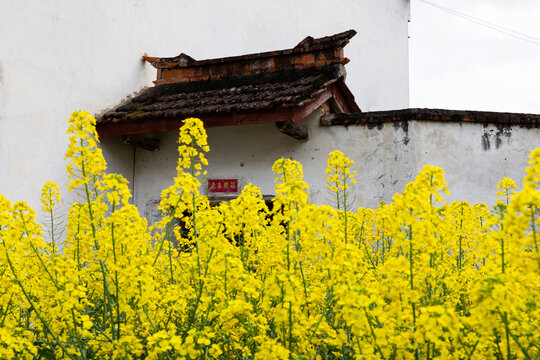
276,86
308,53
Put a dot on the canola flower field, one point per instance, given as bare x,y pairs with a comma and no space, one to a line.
417,278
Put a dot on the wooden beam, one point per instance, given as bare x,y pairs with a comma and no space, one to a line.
343,98
209,120
302,111
296,131
136,127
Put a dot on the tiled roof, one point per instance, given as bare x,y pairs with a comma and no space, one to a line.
277,86
246,93
437,115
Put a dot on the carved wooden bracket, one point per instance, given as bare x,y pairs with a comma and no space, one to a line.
294,130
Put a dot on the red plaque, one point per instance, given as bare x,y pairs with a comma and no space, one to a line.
223,185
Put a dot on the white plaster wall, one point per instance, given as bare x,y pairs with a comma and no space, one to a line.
475,157
62,55
386,158
247,153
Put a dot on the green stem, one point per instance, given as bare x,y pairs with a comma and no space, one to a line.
44,266
413,304
5,311
533,224
225,276
38,255
497,341
27,296
78,251
504,318
288,245
323,315
89,202
116,277
145,310
290,330
167,235
194,219
369,256
373,334
358,344
52,233
502,254
507,332
460,254
170,262
107,301
305,287
345,206
411,258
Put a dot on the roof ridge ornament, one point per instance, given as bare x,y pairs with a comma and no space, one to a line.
182,59
308,53
340,39
305,44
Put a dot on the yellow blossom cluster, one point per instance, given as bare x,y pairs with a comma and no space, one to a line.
50,196
418,278
505,186
338,171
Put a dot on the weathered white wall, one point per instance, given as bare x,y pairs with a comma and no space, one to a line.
475,157
62,55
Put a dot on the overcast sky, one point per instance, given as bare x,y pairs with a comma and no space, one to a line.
458,64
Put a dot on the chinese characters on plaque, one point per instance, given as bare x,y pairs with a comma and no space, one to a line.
222,185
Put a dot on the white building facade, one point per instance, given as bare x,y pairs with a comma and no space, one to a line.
59,56
56,57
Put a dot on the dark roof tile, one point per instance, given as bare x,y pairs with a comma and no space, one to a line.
245,93
436,115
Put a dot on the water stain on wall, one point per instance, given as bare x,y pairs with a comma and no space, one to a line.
485,141
403,125
503,132
378,125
